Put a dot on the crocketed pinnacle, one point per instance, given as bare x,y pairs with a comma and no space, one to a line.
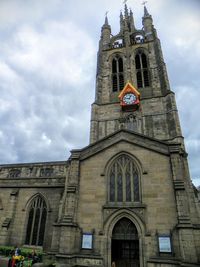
126,11
106,24
146,13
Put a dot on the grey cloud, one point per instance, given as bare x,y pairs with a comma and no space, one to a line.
47,72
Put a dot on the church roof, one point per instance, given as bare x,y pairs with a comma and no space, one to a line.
119,136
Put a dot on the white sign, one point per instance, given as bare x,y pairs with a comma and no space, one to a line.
164,244
87,241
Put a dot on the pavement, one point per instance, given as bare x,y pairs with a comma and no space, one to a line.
3,261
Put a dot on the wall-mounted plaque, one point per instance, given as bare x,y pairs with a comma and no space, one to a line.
164,244
87,241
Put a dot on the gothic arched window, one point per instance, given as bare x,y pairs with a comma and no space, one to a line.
37,215
142,72
117,74
123,180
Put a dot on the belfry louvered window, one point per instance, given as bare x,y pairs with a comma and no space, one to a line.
142,72
36,222
117,74
123,180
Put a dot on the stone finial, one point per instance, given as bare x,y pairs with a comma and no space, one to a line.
106,19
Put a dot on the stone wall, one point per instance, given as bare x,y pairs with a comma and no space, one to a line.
19,184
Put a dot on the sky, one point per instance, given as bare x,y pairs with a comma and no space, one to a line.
48,64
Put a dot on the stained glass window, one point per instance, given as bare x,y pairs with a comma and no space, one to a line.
36,222
123,180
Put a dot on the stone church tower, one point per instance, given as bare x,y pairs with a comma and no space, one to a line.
125,200
136,56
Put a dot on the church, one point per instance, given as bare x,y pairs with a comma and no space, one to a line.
126,199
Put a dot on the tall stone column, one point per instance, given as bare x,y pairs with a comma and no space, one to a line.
184,225
66,229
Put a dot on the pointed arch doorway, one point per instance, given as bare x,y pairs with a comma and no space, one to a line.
125,244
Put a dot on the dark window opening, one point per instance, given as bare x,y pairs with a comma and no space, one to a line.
115,83
146,78
120,62
136,188
128,187
144,61
119,187
121,81
137,62
112,187
142,70
117,74
114,66
42,227
139,79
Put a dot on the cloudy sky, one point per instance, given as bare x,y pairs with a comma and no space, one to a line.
48,64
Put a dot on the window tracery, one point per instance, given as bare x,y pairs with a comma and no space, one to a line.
36,222
142,72
47,172
125,229
123,180
117,74
15,173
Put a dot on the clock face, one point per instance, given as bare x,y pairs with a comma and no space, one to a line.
129,98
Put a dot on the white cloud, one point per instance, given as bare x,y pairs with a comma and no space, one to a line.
42,77
15,12
189,110
55,53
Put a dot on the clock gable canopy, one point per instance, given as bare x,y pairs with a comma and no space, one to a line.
129,92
